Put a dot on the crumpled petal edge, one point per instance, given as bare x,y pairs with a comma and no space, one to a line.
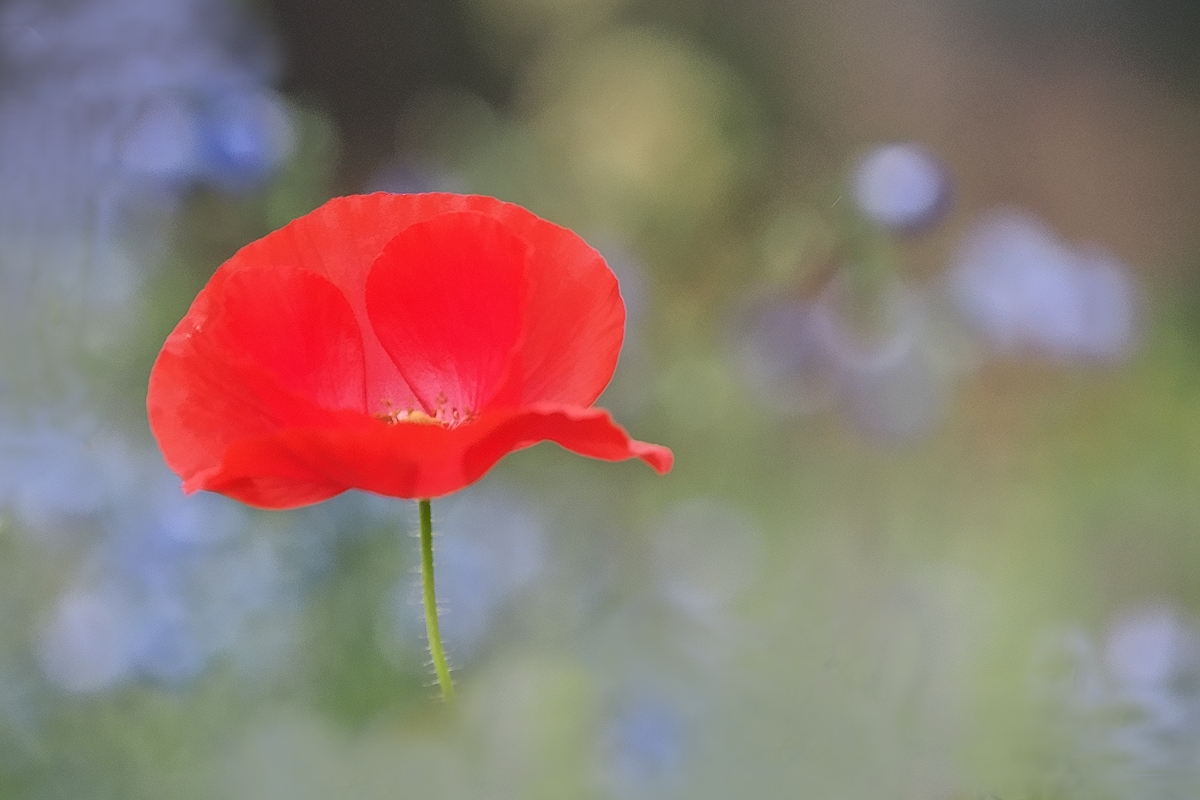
300,466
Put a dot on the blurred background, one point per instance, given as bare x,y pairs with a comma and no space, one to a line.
913,296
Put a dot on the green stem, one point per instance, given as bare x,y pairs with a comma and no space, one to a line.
431,610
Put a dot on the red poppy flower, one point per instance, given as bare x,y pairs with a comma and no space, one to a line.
400,344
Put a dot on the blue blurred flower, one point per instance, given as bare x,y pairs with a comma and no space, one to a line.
879,353
643,749
245,134
166,88
166,584
109,111
232,139
55,470
1153,656
1026,291
902,187
88,644
1131,707
784,362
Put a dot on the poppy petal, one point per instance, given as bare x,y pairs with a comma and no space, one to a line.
285,483
258,350
299,328
574,315
588,432
446,298
339,241
297,466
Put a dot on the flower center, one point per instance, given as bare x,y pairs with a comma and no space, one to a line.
397,416
446,417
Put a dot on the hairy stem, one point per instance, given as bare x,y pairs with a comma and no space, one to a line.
431,610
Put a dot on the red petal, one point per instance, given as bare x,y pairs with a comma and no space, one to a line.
339,241
258,350
408,459
298,327
288,484
446,298
574,315
589,432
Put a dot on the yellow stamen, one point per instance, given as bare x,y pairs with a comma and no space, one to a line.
446,417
